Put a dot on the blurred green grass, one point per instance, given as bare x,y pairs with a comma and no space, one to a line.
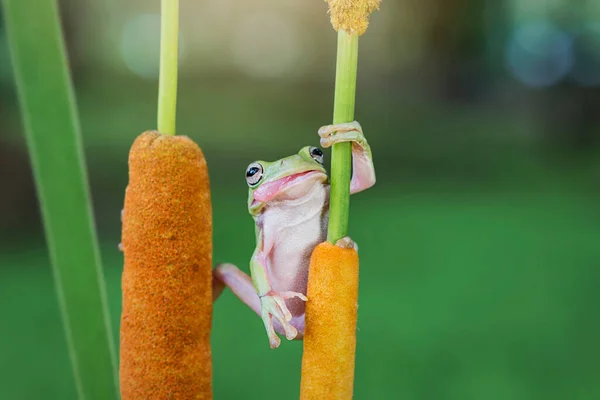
479,247
463,296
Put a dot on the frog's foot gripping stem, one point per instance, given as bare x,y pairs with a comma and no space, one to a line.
346,132
271,307
347,243
363,171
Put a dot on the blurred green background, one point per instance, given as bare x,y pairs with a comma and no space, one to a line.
479,244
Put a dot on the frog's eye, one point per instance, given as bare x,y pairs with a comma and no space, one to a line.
316,154
254,173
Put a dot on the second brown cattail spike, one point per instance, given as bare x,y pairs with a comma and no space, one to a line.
167,277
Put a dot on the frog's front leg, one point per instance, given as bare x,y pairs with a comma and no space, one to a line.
266,306
272,303
363,171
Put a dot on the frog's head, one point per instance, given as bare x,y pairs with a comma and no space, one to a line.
287,179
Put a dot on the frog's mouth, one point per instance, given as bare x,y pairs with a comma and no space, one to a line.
292,186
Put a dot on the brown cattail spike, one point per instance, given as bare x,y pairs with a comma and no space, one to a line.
167,299
352,15
330,335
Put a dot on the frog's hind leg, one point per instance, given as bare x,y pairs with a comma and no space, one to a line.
228,275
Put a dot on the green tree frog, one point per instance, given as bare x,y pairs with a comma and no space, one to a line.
289,202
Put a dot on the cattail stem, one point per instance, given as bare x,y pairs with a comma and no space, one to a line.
341,156
169,51
351,19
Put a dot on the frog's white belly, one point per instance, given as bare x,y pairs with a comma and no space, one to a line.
295,228
290,258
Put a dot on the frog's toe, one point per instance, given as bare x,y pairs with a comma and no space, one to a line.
281,311
347,243
341,137
274,340
325,131
297,324
290,331
290,295
329,130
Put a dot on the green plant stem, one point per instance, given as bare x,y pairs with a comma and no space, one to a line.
169,51
341,155
53,137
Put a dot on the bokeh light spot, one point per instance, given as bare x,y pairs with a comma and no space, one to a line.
539,54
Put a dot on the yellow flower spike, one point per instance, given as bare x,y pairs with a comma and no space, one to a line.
352,15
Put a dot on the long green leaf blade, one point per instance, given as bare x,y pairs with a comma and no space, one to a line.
52,129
